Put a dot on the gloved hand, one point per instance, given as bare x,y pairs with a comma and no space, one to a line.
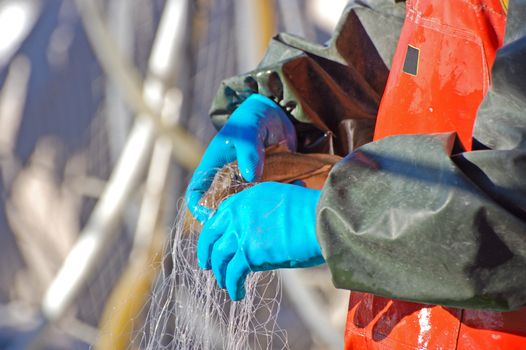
257,123
268,226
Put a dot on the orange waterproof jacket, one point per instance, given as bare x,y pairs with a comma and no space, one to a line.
440,74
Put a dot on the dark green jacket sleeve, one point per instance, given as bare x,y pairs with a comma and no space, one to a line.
331,91
407,217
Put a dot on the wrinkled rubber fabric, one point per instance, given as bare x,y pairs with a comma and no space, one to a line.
412,217
268,226
333,91
256,124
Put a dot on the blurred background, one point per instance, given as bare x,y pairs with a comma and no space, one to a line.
103,115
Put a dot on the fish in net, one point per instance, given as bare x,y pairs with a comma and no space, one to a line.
187,310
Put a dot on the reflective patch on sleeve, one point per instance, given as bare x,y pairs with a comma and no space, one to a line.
411,60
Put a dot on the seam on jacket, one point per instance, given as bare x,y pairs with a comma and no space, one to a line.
484,7
418,18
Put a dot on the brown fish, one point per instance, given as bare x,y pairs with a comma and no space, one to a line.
280,165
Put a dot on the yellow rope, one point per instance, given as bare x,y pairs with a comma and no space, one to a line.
265,12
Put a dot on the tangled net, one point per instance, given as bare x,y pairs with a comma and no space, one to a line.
187,310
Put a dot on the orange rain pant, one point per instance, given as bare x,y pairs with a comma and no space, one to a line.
439,76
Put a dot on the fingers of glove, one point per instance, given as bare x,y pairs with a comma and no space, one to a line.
222,252
212,231
236,274
218,153
262,123
250,157
278,125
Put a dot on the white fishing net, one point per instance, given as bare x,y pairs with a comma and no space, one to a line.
188,310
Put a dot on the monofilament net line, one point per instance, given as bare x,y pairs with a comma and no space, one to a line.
188,310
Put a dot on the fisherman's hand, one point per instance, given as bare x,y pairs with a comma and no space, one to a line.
268,226
257,123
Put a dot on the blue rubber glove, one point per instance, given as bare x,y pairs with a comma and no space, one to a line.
257,123
268,226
